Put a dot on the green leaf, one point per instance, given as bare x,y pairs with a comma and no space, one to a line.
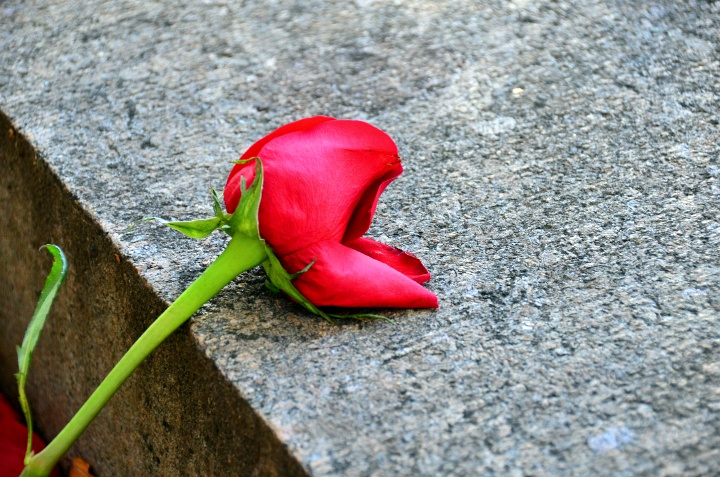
32,335
52,285
244,220
196,229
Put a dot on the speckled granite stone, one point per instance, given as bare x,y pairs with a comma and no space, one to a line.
562,184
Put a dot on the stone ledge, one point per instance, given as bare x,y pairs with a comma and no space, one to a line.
561,185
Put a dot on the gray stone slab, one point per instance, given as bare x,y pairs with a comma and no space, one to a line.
562,184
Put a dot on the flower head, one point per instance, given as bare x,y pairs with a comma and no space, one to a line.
322,181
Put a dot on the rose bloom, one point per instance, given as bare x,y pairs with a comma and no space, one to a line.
322,181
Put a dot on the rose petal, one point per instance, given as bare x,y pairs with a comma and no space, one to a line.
404,262
316,179
232,186
342,276
365,210
295,126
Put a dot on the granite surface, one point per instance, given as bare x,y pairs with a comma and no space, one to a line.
562,185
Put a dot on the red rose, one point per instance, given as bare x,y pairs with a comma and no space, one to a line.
13,441
322,181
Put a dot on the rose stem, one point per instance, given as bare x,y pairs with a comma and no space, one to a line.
240,255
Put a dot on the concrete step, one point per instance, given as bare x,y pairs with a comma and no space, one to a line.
561,185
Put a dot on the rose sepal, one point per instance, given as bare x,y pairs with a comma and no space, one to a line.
280,280
196,229
244,221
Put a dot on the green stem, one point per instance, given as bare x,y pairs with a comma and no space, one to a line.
240,255
28,416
